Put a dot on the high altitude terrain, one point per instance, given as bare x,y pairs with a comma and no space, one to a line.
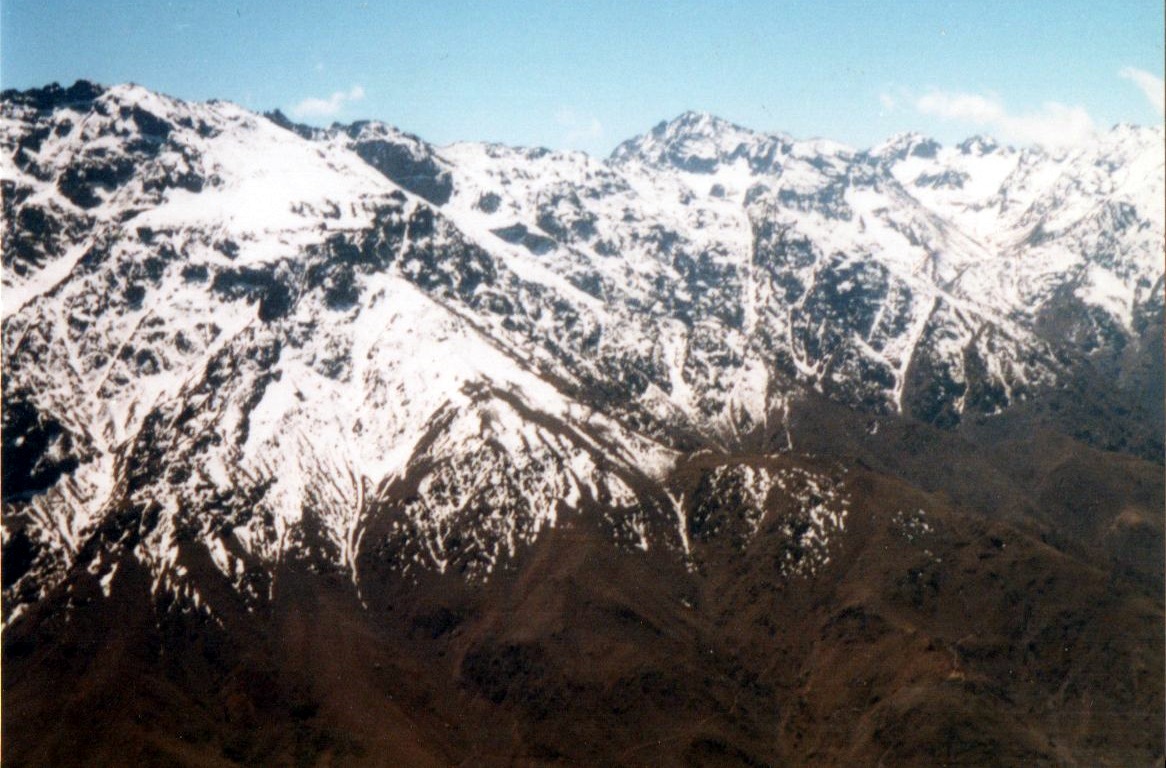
331,447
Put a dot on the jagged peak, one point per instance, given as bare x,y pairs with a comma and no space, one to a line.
908,144
376,129
303,130
138,97
360,131
696,122
1138,134
127,110
979,145
698,141
53,95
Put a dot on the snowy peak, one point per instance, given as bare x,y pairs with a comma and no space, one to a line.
686,126
978,145
693,125
401,157
698,142
905,145
90,141
126,158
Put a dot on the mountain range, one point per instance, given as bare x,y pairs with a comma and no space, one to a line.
328,446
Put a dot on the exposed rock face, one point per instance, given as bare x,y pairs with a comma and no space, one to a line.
323,436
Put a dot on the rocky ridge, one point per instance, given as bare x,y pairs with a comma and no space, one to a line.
235,346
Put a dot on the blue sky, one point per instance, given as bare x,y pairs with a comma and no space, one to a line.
590,74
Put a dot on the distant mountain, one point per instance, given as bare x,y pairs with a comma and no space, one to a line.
329,446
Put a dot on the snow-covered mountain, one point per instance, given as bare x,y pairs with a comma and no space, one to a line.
240,352
221,329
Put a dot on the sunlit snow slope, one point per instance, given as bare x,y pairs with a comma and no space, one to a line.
229,336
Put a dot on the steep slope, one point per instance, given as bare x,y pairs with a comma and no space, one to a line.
327,436
235,370
927,637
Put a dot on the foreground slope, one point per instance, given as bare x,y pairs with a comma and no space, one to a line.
332,446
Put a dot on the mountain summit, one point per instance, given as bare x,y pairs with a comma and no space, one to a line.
699,142
331,446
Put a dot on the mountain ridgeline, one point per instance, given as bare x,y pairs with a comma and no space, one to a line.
327,446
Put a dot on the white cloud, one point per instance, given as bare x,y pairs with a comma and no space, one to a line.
1054,124
1150,84
313,107
578,129
960,106
887,101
